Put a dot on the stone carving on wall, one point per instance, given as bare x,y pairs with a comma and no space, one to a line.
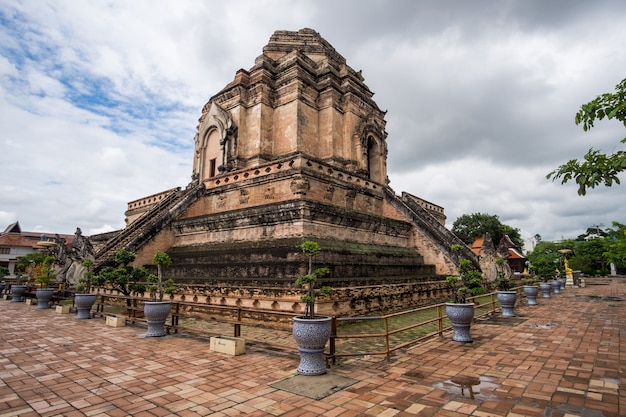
350,197
299,185
487,259
69,261
503,252
244,196
330,191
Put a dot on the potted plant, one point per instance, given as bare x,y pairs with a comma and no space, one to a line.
43,275
506,297
26,267
542,269
531,289
311,332
156,310
84,299
19,289
460,311
545,287
124,278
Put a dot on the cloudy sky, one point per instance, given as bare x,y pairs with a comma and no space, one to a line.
99,100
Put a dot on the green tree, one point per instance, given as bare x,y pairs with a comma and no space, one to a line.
155,283
616,246
544,259
308,281
85,281
597,167
28,265
469,226
125,278
470,279
44,272
588,256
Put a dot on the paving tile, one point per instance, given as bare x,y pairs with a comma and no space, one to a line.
55,365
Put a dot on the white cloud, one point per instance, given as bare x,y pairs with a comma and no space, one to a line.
99,100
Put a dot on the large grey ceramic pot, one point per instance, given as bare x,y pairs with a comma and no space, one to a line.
156,313
507,301
461,316
17,293
44,296
83,303
531,292
545,289
562,281
311,335
556,286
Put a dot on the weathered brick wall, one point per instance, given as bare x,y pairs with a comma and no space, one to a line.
346,301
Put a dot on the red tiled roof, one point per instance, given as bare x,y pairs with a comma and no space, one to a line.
477,245
17,240
14,236
514,254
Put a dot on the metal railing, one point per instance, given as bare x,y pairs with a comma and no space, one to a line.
431,321
392,332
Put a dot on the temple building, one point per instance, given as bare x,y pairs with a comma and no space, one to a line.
293,149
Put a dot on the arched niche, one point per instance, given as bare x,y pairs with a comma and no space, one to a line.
215,143
373,155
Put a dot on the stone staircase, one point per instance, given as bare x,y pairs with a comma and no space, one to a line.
439,234
149,224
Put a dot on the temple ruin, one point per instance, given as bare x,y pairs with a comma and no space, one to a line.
292,149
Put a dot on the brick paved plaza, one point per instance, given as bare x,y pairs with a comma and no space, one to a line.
566,357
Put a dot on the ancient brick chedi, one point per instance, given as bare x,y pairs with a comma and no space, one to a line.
293,149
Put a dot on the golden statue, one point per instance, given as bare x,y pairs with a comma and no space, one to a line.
568,270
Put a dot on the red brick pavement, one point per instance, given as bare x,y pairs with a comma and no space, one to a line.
568,358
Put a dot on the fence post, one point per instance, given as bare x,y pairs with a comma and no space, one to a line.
387,338
331,342
440,319
175,317
238,325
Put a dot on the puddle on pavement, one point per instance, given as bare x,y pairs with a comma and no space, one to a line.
476,388
548,325
604,298
572,410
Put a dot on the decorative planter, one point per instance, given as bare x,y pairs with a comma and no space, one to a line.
44,296
311,335
84,302
556,286
545,289
2,286
507,301
17,293
461,316
531,292
156,313
562,281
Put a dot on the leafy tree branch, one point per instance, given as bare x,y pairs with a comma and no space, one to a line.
596,167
